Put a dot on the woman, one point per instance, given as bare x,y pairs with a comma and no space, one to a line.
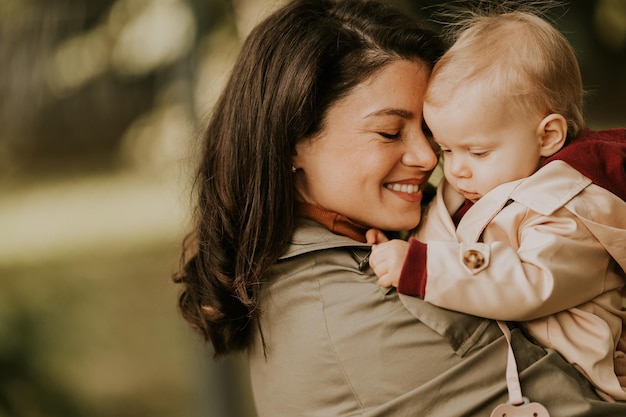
316,138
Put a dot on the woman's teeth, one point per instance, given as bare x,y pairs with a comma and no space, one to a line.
404,188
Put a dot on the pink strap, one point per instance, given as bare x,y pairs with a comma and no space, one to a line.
517,405
512,378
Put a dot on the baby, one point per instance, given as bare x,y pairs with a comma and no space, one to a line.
526,225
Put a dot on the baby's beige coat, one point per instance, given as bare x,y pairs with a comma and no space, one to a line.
339,345
550,249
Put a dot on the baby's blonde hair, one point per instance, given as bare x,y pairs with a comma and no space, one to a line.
517,58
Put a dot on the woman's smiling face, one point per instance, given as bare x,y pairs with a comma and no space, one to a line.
372,158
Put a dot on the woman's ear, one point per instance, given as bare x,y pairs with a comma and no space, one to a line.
300,152
552,131
296,159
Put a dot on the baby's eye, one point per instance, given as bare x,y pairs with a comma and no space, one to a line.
390,135
445,150
479,154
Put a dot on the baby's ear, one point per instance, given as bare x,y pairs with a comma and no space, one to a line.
553,132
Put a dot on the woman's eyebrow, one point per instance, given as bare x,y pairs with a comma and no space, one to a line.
405,114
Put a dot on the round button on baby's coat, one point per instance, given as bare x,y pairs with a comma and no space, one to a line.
473,259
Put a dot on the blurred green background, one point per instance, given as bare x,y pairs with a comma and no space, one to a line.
101,105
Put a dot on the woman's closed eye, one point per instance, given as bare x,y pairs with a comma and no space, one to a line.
391,135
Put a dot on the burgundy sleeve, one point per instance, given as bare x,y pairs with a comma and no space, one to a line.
413,276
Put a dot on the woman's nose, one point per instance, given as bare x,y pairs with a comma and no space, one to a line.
419,153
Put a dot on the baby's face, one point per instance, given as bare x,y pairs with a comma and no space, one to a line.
483,146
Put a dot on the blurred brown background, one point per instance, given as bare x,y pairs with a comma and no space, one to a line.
101,104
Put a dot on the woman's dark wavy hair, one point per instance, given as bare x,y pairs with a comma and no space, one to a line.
291,69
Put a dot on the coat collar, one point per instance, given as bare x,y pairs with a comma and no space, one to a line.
334,222
550,188
544,192
600,156
311,236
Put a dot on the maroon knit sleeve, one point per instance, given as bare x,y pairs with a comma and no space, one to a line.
413,276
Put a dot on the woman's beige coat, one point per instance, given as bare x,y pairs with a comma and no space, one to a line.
549,248
338,345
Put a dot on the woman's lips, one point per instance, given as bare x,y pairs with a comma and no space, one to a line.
409,191
404,188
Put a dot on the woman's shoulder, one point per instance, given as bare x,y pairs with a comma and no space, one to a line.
311,236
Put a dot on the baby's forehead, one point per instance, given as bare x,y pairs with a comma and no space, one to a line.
469,97
480,97
454,85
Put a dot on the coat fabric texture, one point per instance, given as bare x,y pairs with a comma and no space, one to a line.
331,342
552,253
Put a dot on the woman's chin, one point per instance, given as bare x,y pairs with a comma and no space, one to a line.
403,226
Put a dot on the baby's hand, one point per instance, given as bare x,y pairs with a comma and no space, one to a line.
375,236
387,259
